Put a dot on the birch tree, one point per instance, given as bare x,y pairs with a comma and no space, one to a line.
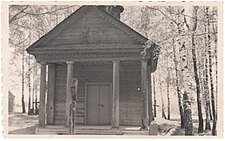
177,81
168,87
188,124
192,26
162,101
210,72
214,28
206,82
181,42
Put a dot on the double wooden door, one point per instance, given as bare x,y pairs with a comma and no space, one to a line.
99,101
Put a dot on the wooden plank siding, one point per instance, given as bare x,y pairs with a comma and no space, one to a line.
60,95
130,102
91,29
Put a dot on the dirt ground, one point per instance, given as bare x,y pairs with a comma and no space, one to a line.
20,123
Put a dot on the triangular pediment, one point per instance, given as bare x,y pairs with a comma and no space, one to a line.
89,25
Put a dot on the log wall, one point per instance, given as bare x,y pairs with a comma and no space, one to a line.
130,102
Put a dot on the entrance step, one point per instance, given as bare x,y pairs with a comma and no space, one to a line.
90,130
51,130
97,132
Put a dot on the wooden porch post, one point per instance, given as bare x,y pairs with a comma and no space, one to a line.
150,111
42,107
51,93
68,91
144,93
115,102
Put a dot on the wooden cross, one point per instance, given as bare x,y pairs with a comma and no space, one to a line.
36,109
155,105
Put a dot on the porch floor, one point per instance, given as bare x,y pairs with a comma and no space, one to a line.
91,130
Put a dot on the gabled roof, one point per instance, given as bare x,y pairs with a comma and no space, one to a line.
76,16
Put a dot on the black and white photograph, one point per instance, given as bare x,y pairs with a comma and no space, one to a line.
112,69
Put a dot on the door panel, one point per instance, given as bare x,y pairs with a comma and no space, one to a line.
98,104
105,102
93,100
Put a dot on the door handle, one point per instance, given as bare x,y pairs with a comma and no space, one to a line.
101,105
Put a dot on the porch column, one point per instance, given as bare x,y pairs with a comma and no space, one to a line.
115,102
51,93
150,111
42,108
68,92
144,93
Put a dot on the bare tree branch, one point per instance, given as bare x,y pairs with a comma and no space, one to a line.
17,14
48,12
22,41
163,14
